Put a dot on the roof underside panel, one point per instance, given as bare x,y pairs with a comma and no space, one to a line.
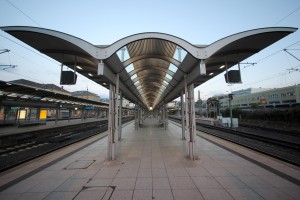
151,59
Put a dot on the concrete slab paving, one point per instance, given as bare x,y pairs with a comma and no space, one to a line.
152,164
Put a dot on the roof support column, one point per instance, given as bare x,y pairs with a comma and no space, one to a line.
113,122
117,104
136,115
166,117
56,113
159,115
191,123
162,115
141,117
186,107
120,117
182,117
190,118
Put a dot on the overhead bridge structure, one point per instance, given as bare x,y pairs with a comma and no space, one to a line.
159,68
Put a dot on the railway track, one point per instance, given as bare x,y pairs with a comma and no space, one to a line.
276,145
260,128
42,142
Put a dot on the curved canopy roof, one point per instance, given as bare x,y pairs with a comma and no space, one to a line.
154,72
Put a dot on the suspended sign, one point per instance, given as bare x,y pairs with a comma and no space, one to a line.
14,108
88,107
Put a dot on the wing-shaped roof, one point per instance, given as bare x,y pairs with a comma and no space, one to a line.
155,76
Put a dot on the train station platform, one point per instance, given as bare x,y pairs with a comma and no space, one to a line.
152,164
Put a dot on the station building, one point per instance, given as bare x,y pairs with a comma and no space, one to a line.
86,95
48,87
277,97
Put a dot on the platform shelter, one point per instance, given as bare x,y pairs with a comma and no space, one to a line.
159,68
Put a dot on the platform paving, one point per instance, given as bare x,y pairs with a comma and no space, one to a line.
152,164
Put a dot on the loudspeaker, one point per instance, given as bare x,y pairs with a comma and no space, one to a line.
234,76
68,78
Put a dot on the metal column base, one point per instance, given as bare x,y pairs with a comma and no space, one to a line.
113,151
191,150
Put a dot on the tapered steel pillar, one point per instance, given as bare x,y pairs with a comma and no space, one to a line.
136,115
190,119
182,117
120,117
192,122
141,116
117,104
70,114
56,113
113,125
186,134
166,118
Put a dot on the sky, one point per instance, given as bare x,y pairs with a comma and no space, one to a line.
198,22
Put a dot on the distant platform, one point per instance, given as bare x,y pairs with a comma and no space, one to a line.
11,130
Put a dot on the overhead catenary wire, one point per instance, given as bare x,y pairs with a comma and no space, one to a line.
10,66
286,16
22,75
283,48
24,13
268,78
55,62
272,54
258,61
25,58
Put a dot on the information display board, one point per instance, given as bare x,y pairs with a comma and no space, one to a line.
22,114
43,114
